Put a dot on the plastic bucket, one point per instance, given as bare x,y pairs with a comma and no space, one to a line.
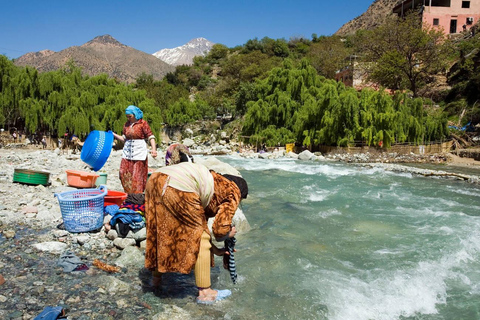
31,177
289,147
115,197
81,179
102,179
97,148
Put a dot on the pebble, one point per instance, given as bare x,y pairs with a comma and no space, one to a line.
31,243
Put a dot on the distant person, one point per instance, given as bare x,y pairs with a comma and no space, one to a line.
14,136
134,165
177,153
44,142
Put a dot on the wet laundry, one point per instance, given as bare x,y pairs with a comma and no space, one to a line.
70,262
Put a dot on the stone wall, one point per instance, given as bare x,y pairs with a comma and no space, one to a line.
468,153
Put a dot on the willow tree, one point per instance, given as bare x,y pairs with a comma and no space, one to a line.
65,100
7,89
281,97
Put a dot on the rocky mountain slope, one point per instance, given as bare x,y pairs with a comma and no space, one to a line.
184,55
376,14
103,54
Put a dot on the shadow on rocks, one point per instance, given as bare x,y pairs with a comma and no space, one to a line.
172,286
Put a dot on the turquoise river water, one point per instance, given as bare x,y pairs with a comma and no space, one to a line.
337,241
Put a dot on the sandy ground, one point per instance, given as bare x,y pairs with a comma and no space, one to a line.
454,160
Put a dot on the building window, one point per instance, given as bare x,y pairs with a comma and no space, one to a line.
470,20
453,26
466,4
436,22
440,3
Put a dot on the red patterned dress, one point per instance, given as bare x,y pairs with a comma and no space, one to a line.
134,166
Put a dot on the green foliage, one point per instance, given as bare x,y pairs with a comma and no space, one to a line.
184,111
272,137
218,52
328,55
406,55
464,77
280,91
320,111
65,101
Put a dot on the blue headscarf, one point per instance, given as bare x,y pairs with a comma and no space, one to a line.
135,111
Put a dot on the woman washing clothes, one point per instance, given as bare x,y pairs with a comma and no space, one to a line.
179,199
134,165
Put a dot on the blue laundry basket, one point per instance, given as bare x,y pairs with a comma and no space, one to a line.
97,148
82,210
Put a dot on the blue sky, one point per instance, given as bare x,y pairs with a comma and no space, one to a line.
149,26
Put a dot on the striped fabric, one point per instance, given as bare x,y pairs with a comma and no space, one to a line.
229,260
191,177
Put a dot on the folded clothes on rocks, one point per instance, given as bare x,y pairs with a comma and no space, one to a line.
51,313
135,207
70,262
111,209
130,217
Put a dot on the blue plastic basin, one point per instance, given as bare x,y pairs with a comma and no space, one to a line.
97,149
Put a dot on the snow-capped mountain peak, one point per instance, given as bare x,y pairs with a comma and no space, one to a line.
185,54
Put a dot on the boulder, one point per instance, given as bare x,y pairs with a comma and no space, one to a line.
305,155
131,256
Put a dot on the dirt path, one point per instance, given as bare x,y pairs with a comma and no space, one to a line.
454,160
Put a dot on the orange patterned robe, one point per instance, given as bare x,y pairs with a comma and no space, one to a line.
176,219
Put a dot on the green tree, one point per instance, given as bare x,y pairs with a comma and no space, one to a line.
405,55
328,55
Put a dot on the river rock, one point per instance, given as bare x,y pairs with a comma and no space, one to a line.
188,142
9,234
131,256
122,243
113,285
112,234
305,155
51,246
138,235
171,312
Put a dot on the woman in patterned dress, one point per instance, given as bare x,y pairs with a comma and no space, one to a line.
134,166
179,199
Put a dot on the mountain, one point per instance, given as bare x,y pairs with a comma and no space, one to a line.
185,54
376,14
103,54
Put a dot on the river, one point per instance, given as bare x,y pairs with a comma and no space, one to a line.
337,241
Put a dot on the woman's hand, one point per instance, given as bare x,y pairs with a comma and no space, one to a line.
118,137
154,153
232,232
221,251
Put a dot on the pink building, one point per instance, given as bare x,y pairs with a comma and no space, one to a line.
453,16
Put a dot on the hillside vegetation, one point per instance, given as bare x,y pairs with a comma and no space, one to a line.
274,90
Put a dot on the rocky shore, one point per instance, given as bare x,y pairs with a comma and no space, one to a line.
31,241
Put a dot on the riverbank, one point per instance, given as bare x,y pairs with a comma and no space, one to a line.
31,243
